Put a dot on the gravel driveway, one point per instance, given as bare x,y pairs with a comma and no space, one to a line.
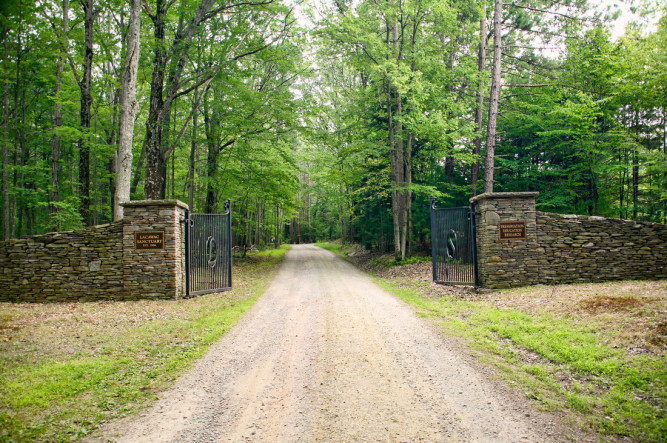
326,355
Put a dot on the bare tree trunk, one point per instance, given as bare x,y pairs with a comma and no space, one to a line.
129,106
86,105
343,216
212,161
153,144
211,190
397,153
635,184
495,97
6,217
407,197
479,112
18,137
394,174
54,191
191,166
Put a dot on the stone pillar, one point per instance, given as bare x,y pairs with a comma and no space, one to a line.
154,249
507,246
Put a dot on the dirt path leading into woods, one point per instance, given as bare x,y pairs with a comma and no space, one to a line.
326,355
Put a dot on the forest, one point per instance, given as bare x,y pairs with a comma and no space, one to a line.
329,120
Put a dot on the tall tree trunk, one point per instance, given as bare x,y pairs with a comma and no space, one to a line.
211,169
212,161
395,204
54,191
85,113
479,111
27,179
635,184
129,106
191,165
495,97
153,143
407,228
396,144
6,217
18,172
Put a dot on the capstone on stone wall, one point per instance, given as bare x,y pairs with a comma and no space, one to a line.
100,262
556,248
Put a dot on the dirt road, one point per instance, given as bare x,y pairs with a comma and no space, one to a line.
325,355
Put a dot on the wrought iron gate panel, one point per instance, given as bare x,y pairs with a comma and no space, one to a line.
208,257
453,242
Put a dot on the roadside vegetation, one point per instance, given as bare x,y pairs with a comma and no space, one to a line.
67,367
595,351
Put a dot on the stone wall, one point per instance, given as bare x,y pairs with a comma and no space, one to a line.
577,248
562,248
99,262
63,266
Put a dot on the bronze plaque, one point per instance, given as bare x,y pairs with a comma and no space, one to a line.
512,230
149,240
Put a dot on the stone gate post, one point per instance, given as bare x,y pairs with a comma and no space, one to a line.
154,249
507,246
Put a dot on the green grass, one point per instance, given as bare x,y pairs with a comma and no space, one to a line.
333,247
563,364
278,252
382,261
60,388
340,249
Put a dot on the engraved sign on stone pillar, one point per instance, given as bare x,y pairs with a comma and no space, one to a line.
512,230
149,240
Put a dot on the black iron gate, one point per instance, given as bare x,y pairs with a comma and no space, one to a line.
208,252
453,242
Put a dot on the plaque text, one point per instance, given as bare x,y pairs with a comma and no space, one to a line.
149,240
512,230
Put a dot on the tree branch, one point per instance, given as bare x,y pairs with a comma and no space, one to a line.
542,10
147,10
77,77
215,12
195,107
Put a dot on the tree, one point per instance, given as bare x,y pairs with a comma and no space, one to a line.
85,83
167,88
129,106
494,97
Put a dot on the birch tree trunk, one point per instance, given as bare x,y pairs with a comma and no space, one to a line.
495,97
129,106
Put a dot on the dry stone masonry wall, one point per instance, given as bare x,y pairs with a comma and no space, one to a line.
577,248
63,266
101,262
562,248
